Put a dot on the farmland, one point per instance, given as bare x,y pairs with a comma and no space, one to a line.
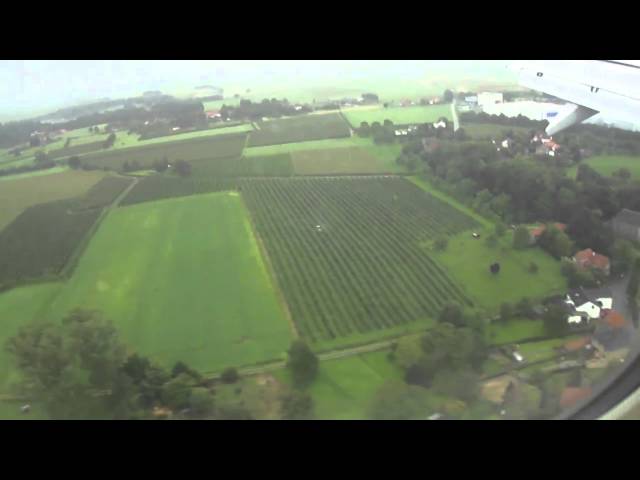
299,129
266,166
351,160
208,302
212,146
81,149
17,195
607,164
346,254
398,115
490,130
40,241
159,187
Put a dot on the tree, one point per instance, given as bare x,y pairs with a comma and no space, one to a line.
296,405
67,143
385,104
74,162
494,268
524,308
65,364
447,96
161,165
303,364
183,168
634,280
201,402
230,375
41,156
533,267
491,241
461,384
500,229
176,393
441,243
111,139
407,352
506,311
622,255
180,367
460,135
364,130
395,400
555,320
556,242
452,313
521,238
622,173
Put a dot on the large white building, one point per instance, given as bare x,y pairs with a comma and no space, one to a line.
489,98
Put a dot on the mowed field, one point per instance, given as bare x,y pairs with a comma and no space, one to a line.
350,160
346,253
607,164
182,279
19,194
398,115
344,388
468,259
278,165
481,131
207,147
299,129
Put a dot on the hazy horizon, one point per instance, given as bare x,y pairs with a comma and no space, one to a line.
35,87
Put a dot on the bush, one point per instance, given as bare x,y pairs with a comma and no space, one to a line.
533,267
230,375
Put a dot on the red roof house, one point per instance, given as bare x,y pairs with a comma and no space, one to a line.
589,259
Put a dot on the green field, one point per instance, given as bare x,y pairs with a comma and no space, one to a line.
18,307
399,115
514,330
267,166
182,279
607,164
37,173
344,388
18,195
467,260
202,147
335,161
246,127
299,129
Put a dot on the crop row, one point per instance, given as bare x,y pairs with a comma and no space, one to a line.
346,251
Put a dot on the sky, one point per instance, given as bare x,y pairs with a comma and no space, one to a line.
32,87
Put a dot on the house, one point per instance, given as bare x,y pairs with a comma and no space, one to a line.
494,390
613,332
471,99
577,344
440,124
506,143
213,114
589,259
585,306
537,231
572,395
626,224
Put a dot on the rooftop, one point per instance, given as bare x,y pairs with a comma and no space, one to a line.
572,395
628,216
589,258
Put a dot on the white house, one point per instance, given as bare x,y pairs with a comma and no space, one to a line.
505,143
590,308
440,124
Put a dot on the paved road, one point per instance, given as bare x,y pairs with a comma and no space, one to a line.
454,114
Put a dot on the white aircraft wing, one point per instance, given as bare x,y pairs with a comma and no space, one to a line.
593,86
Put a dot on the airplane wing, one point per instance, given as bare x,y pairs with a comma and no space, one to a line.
593,86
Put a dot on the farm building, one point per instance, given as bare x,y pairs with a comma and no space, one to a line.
626,224
589,259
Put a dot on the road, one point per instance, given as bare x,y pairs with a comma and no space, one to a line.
454,114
